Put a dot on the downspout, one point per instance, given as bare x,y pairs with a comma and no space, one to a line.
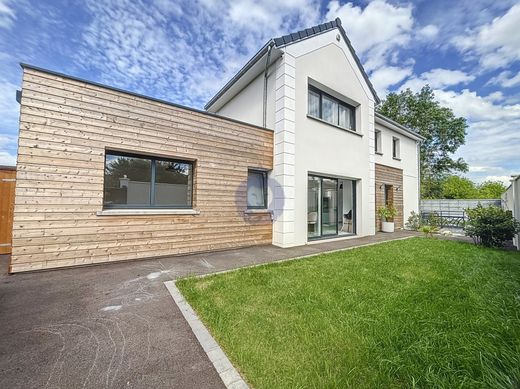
268,60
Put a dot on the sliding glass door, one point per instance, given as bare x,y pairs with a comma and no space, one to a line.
322,207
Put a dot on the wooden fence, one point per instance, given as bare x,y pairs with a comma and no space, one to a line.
7,186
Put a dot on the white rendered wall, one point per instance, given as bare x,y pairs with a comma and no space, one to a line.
408,163
324,149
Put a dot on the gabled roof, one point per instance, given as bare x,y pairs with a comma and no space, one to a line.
280,42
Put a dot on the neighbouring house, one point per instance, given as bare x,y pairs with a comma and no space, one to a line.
511,202
290,151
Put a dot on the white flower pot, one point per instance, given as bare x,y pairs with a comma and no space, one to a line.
387,226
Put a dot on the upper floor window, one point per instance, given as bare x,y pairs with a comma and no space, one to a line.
256,189
379,149
396,148
331,110
136,181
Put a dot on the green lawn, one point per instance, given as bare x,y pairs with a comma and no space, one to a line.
417,312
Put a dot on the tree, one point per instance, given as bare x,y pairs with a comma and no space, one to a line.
491,189
443,132
455,187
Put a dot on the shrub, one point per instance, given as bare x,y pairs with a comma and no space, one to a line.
433,219
414,221
387,213
429,230
490,226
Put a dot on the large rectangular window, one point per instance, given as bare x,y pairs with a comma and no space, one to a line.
133,181
331,110
257,189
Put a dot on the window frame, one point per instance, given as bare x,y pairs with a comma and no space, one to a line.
339,102
153,159
264,187
378,141
396,151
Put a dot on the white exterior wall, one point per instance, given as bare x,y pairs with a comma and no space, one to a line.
248,106
324,149
408,163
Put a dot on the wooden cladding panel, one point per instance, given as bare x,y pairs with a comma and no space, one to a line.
386,175
65,127
7,188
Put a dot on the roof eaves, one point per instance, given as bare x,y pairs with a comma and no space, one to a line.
400,126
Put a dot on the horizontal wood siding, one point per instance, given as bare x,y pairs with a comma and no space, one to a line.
389,176
65,127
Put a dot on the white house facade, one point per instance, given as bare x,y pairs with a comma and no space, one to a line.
311,90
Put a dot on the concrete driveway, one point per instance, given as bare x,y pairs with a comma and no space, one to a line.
115,325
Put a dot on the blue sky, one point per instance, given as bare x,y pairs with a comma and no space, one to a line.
467,50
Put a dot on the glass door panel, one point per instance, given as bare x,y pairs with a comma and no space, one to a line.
329,209
313,207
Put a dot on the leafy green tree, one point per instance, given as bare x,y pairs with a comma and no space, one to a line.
491,189
444,133
455,187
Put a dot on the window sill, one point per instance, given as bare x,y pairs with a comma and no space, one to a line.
253,211
379,153
333,125
146,212
397,159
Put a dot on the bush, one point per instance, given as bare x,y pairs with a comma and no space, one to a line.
433,219
414,221
429,230
490,226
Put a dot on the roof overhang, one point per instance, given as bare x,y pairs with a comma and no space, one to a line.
256,65
394,126
252,69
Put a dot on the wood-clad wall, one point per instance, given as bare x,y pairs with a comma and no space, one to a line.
7,185
65,127
389,176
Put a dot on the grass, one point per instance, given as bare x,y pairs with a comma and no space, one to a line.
411,313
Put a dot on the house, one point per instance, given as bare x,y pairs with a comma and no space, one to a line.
335,160
290,151
511,202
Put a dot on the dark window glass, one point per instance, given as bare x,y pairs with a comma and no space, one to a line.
127,180
330,109
256,189
173,183
141,182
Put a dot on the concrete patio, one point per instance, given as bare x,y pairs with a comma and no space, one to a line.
116,325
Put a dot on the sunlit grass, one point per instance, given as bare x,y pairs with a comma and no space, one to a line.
418,312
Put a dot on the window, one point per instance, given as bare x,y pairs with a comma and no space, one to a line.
378,142
133,181
396,152
257,189
331,110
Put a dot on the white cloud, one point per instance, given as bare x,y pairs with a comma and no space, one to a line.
495,44
135,46
428,32
7,15
387,76
438,79
493,139
376,30
505,79
506,180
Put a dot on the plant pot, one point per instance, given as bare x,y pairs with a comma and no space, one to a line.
387,226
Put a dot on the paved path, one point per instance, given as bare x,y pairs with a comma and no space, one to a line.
115,325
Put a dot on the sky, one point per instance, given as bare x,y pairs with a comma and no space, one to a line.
468,51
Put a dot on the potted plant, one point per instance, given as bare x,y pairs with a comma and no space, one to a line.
387,214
